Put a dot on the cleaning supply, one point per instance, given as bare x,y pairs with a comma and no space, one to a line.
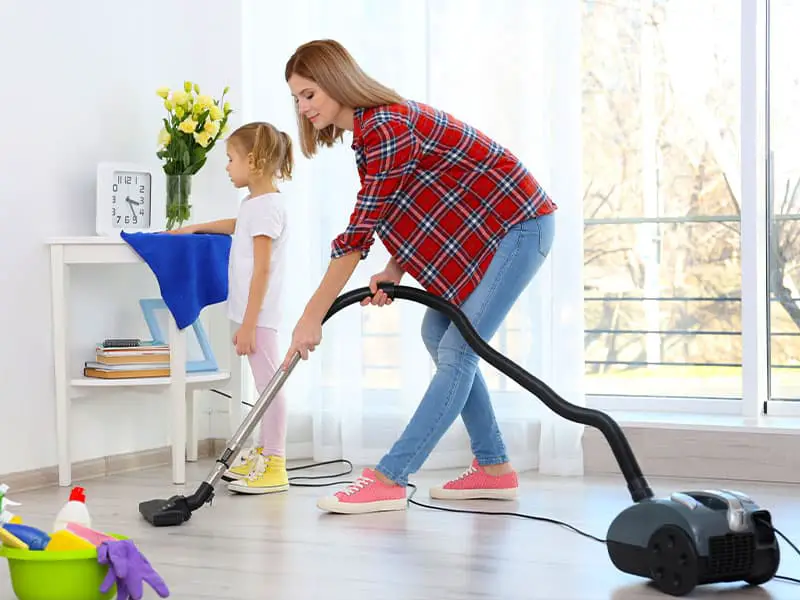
68,575
129,569
34,538
64,541
9,539
88,534
74,511
7,516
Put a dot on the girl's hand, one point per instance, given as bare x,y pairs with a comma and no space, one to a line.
245,340
379,297
306,337
182,230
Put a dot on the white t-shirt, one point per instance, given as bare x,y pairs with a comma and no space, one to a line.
259,215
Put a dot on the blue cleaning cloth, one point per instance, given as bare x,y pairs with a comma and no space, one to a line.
191,269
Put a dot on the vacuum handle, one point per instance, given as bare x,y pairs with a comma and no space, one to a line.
637,485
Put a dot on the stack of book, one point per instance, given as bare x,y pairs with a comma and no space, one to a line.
132,359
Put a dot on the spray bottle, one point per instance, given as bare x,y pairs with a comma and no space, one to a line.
7,516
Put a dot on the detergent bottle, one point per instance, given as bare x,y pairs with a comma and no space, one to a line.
74,511
6,516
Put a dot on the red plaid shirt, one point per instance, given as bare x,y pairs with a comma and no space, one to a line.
439,194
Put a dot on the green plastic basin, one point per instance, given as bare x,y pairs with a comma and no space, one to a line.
67,575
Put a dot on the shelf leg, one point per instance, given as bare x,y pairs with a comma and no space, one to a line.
177,366
60,289
191,425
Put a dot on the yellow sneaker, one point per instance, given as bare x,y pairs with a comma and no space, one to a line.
267,476
241,470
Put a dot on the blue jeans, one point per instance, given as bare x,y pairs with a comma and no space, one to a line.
458,386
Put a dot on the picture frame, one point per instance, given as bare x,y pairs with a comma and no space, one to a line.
151,307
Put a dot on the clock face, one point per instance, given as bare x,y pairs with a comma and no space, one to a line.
131,200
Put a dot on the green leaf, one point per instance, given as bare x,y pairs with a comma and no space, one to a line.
197,166
198,153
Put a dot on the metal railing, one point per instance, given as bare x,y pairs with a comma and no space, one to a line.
679,332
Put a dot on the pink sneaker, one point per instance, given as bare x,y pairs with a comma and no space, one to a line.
365,495
476,484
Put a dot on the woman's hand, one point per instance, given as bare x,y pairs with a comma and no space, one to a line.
245,340
391,274
306,337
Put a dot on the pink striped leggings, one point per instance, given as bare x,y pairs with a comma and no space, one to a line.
264,363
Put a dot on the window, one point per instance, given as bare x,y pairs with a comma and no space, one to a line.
662,265
784,197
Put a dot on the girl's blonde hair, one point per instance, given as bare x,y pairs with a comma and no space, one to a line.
269,149
328,64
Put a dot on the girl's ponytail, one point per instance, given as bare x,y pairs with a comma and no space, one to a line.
287,160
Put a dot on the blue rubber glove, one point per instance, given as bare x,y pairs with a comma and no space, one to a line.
130,569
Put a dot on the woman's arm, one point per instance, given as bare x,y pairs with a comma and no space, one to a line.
382,175
394,267
336,277
389,149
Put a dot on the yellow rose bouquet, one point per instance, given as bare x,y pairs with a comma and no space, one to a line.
192,127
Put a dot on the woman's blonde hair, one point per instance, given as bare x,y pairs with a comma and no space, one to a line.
268,148
328,64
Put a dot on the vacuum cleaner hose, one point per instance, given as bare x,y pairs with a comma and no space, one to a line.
637,485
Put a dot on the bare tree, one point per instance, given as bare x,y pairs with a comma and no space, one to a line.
697,99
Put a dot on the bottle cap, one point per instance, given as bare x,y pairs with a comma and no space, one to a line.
77,495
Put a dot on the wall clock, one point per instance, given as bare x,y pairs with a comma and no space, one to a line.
129,197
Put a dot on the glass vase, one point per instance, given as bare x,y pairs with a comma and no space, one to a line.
179,191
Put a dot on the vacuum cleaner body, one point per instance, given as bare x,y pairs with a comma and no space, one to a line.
693,538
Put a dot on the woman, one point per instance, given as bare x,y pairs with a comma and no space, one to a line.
457,212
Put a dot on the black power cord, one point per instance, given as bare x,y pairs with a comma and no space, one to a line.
788,541
465,511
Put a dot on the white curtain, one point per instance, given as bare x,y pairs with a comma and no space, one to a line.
509,67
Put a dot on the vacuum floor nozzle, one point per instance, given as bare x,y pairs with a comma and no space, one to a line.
166,513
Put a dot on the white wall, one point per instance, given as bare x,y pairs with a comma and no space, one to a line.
78,87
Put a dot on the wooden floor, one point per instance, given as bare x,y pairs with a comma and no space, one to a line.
283,547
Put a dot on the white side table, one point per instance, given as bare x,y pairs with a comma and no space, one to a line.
68,251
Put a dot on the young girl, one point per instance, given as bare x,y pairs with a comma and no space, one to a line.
456,211
258,155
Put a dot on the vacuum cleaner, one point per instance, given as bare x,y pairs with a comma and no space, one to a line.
690,538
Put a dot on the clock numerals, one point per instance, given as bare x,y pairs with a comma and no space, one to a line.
131,192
